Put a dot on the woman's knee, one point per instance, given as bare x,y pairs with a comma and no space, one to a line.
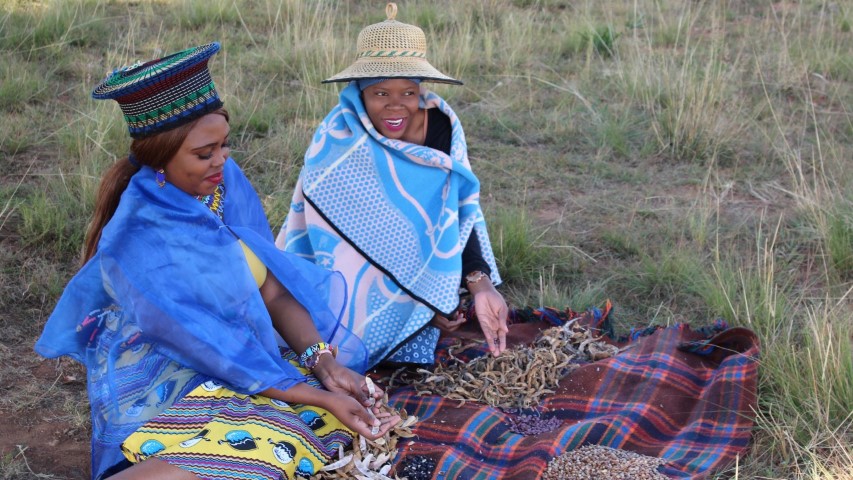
154,468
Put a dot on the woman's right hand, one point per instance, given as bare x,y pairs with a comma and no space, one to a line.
359,419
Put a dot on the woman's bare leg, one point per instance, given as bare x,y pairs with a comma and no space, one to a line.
154,468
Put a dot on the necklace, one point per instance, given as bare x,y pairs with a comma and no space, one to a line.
215,201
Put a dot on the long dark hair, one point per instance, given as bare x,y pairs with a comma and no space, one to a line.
154,151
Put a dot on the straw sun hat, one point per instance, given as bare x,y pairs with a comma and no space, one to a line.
391,49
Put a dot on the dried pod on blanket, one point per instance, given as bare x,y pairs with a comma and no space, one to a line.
520,377
370,459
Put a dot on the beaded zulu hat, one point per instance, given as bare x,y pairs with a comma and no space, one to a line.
163,94
391,49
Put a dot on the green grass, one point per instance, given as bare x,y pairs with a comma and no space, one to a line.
806,405
518,249
20,84
18,135
199,14
686,160
601,39
839,242
52,219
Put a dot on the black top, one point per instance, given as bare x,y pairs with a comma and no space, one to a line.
439,131
438,136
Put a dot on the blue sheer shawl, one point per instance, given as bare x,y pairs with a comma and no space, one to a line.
168,302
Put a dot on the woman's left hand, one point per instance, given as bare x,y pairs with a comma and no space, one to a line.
338,378
492,313
447,325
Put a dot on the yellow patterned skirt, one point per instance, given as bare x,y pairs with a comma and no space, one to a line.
217,433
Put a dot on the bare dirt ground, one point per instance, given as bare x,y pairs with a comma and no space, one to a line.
39,440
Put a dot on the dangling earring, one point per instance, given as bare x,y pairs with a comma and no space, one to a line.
160,176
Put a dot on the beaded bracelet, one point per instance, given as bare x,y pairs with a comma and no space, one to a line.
311,356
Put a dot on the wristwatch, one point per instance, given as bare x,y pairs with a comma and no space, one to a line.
475,277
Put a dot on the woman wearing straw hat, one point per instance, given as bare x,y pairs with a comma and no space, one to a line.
177,310
387,197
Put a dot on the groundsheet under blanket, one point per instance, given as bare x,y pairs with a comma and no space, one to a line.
681,394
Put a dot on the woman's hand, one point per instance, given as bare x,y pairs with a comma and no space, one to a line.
492,313
371,423
359,391
446,325
340,379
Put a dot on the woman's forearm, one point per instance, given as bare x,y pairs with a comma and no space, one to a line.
297,328
289,317
300,393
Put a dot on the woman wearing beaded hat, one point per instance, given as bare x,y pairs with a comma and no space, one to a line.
387,197
207,349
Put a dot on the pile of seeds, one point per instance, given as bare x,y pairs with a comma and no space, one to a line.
592,462
533,424
519,377
417,467
370,459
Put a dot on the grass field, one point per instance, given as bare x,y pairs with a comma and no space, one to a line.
689,160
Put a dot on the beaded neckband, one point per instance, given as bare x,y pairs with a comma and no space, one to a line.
215,201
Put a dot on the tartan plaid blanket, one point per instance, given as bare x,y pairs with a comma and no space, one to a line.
677,393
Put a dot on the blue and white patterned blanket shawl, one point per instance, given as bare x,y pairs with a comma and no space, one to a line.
394,218
168,302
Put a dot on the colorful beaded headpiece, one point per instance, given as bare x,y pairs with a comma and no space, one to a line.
163,94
